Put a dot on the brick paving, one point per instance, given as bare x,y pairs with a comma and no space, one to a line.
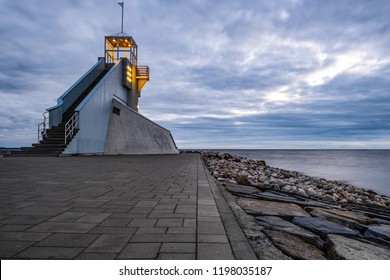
115,207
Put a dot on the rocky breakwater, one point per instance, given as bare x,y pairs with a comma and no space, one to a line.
303,217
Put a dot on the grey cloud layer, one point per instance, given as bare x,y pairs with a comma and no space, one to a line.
256,74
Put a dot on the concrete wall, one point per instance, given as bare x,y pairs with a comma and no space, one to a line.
131,133
67,99
94,114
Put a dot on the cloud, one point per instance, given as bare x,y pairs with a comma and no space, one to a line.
237,74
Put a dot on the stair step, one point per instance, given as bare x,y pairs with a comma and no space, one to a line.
56,134
54,139
36,153
53,145
32,155
58,144
41,149
44,148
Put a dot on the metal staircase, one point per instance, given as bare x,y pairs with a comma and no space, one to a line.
54,140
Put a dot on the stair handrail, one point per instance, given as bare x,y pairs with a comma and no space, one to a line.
43,126
71,125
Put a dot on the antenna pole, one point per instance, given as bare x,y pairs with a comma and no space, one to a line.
122,5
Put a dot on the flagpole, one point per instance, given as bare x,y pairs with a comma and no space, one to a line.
122,16
121,4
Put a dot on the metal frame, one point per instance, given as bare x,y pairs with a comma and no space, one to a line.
118,46
70,126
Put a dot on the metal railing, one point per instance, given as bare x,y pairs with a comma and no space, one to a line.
70,126
43,126
143,71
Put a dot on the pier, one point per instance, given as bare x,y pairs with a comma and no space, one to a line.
115,207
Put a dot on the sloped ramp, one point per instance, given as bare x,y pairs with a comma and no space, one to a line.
131,133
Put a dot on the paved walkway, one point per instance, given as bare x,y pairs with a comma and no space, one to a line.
115,207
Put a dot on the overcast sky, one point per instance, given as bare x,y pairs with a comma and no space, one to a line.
224,73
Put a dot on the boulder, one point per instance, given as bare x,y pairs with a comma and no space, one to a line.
360,218
378,231
372,213
380,221
276,196
294,246
240,189
277,223
343,248
259,207
288,188
280,196
311,192
302,192
345,218
323,227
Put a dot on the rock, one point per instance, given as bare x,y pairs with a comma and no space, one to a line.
380,221
359,218
276,196
289,188
277,223
343,248
240,189
311,192
302,192
335,197
372,213
241,179
270,208
232,181
328,187
260,243
228,156
378,231
327,197
294,246
221,155
285,174
323,227
341,220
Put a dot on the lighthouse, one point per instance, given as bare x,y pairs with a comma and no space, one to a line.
99,113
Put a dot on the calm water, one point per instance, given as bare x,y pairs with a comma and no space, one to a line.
369,169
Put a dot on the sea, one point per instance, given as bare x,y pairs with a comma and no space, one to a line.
369,169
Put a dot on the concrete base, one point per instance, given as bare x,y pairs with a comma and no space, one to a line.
131,133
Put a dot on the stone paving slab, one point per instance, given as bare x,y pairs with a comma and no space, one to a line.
115,207
140,251
68,240
35,252
108,243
